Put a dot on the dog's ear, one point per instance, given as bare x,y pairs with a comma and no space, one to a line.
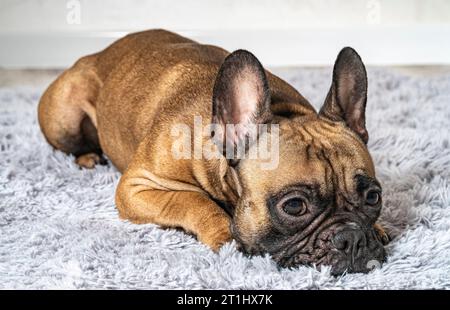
241,98
346,100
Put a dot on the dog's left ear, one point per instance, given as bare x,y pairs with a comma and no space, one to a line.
346,100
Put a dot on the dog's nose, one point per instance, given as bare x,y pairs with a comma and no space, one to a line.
350,241
358,251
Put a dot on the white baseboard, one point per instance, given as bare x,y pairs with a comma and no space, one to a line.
422,45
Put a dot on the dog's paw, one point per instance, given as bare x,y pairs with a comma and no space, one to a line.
384,236
89,160
217,234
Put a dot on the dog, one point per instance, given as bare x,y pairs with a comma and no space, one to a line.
319,205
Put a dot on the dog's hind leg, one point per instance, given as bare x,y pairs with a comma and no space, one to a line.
67,114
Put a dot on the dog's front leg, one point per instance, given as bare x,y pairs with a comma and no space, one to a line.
140,200
384,236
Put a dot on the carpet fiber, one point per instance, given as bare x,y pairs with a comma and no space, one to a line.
59,227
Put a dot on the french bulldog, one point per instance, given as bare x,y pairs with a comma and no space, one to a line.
318,205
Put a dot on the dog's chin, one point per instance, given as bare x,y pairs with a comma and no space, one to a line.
324,256
317,258
336,261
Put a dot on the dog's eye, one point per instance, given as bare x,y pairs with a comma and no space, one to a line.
372,197
295,207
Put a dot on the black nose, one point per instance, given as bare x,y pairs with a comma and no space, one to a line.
350,241
358,251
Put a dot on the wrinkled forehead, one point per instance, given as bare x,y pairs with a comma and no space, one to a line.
318,154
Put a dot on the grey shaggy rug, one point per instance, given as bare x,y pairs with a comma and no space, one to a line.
59,228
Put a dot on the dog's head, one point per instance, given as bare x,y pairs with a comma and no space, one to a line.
319,204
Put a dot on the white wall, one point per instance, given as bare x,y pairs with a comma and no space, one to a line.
49,33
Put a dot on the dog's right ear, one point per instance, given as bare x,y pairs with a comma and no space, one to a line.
241,97
346,100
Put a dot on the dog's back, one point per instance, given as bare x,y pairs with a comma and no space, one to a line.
109,102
